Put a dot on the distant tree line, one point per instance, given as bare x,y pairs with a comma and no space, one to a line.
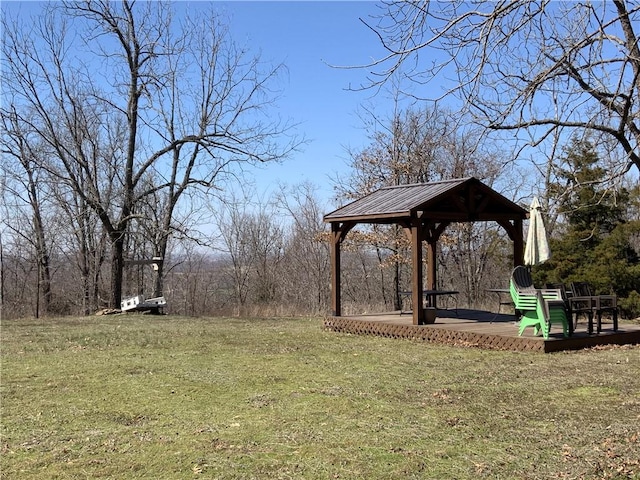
271,257
136,161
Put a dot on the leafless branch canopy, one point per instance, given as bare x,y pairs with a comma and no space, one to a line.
127,100
535,65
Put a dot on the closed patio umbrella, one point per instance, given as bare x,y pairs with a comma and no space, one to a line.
537,248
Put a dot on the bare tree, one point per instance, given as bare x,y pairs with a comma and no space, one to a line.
120,90
30,188
306,279
533,66
252,240
18,276
2,276
196,283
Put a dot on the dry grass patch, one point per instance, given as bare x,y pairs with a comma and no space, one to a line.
172,397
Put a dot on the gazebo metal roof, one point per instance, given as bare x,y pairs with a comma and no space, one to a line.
425,210
461,199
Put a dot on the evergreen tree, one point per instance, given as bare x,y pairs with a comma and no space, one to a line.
597,242
591,210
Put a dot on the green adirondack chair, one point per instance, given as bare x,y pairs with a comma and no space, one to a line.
538,308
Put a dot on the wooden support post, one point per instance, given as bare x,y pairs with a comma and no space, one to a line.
338,233
432,233
416,282
431,265
335,269
431,269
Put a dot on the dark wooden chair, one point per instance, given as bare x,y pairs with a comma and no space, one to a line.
566,298
581,305
584,301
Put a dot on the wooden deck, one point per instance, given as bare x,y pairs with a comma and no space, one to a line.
476,328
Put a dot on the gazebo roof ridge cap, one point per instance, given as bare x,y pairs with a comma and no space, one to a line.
418,184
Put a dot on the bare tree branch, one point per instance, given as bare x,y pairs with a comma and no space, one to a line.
524,64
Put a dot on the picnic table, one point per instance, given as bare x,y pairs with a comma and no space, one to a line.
430,297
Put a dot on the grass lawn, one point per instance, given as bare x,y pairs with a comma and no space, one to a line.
164,397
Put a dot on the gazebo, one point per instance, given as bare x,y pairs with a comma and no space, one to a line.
424,211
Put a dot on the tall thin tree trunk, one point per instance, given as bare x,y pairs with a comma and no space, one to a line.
117,268
158,281
1,277
42,255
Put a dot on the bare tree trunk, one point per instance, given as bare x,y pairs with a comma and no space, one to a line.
158,286
85,267
42,254
98,260
2,276
117,268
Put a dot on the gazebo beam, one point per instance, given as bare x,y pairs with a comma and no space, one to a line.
335,270
432,279
518,244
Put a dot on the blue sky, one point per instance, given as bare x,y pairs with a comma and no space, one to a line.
309,37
